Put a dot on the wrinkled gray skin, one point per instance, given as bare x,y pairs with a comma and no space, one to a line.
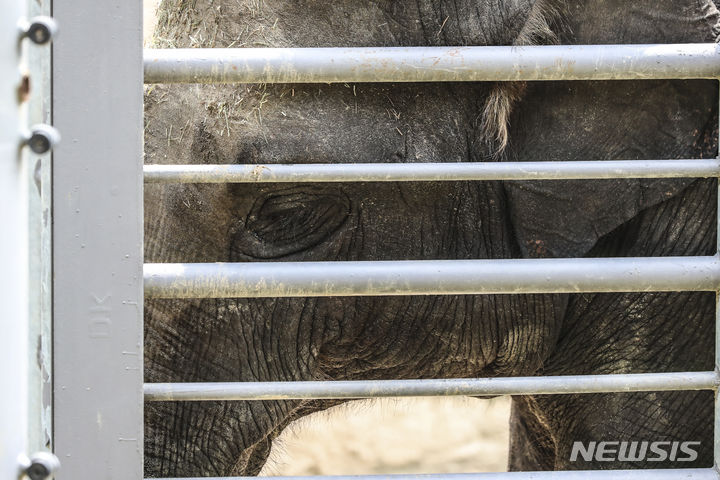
431,336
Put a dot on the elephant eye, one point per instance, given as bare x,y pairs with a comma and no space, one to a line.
290,221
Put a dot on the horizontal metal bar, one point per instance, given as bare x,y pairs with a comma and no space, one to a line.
430,277
638,382
431,64
406,172
654,474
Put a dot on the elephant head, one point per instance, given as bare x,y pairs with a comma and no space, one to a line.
416,336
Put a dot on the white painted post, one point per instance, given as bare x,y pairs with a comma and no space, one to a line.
13,248
39,246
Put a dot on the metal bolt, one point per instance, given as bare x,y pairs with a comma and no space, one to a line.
42,466
42,138
40,30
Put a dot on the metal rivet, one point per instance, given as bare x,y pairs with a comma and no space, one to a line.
40,30
42,466
42,138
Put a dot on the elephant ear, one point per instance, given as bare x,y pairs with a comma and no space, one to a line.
610,120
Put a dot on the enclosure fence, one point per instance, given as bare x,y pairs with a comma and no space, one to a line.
99,280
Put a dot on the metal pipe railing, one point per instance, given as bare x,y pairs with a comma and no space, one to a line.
655,474
298,279
430,277
325,390
432,64
405,172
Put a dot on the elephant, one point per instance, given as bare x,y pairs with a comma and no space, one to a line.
432,336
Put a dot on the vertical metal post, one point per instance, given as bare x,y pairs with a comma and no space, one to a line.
13,248
716,424
40,246
97,239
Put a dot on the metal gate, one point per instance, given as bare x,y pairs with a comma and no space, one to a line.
98,72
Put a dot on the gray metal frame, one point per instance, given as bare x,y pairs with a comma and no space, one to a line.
270,279
98,179
97,244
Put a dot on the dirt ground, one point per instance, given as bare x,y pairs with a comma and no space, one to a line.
149,8
423,435
428,435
